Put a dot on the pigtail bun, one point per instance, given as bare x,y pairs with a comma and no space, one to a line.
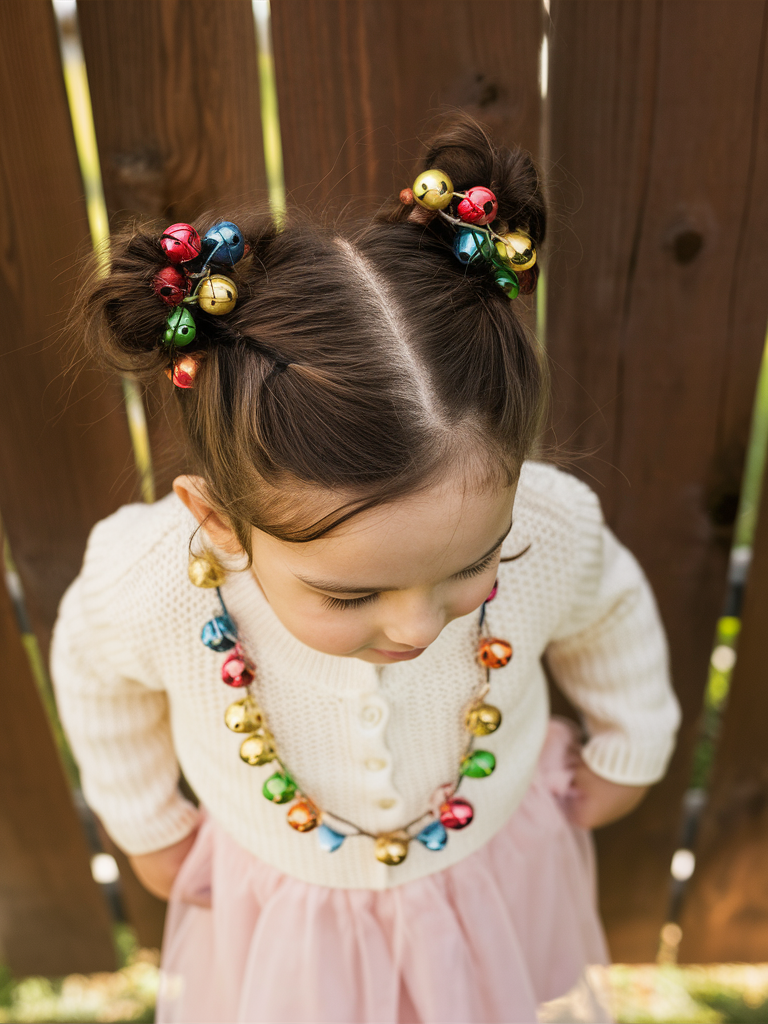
120,315
465,151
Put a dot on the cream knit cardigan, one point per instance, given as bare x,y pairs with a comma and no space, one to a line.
139,694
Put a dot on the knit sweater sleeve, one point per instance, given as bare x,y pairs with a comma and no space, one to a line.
608,654
112,704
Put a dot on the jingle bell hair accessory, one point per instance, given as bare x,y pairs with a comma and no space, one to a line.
511,256
192,280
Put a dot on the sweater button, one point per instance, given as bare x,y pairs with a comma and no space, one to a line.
375,764
370,716
386,802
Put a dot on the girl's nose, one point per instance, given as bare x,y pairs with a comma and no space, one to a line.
415,623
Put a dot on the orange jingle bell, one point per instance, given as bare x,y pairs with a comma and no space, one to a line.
303,816
494,653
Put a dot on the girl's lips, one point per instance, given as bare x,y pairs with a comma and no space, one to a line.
401,655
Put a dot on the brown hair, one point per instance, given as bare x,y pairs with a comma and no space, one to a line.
365,360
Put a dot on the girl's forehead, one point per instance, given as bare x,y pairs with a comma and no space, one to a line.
445,527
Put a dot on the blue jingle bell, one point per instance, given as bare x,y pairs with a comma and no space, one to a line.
329,840
224,243
472,245
433,836
219,634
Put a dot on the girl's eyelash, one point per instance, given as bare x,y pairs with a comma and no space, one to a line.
480,567
340,603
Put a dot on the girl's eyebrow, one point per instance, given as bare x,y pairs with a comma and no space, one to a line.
338,588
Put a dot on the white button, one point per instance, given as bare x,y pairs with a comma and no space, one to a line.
370,715
386,803
375,764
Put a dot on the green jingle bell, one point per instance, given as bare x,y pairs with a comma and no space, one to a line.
180,329
279,788
478,765
507,281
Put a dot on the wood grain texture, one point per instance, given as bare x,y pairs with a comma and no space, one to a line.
725,915
658,300
358,80
65,462
175,94
53,918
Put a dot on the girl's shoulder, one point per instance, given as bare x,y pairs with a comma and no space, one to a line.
549,493
137,553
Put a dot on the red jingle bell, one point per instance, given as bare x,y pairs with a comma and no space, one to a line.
494,653
479,206
171,285
235,671
180,243
493,592
456,812
183,372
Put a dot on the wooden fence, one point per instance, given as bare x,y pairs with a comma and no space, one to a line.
654,138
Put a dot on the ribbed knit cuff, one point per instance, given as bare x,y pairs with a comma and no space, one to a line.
135,837
631,763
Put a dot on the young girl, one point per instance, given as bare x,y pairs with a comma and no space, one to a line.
359,408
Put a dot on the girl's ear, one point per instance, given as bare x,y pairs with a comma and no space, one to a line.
194,493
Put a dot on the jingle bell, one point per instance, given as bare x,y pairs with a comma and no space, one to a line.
257,749
471,245
456,813
171,285
183,372
329,839
392,849
205,571
217,295
243,716
478,765
219,634
180,329
303,816
235,671
279,788
494,653
225,242
518,249
180,243
406,197
493,592
479,206
433,836
483,719
507,281
433,189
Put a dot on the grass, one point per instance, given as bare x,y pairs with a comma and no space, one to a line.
639,993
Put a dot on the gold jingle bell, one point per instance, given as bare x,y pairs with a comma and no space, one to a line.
257,749
243,716
433,189
517,249
217,295
483,719
392,849
206,571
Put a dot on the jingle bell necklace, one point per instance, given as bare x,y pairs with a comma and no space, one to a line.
258,748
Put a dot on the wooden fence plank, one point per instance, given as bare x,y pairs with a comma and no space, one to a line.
175,94
357,80
656,322
65,462
725,915
67,459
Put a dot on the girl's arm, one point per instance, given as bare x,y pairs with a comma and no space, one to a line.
609,656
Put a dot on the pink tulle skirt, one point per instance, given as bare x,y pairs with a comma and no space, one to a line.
491,938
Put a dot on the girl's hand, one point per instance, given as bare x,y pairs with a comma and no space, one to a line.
157,870
594,801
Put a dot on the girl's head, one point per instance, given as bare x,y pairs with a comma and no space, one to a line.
362,415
